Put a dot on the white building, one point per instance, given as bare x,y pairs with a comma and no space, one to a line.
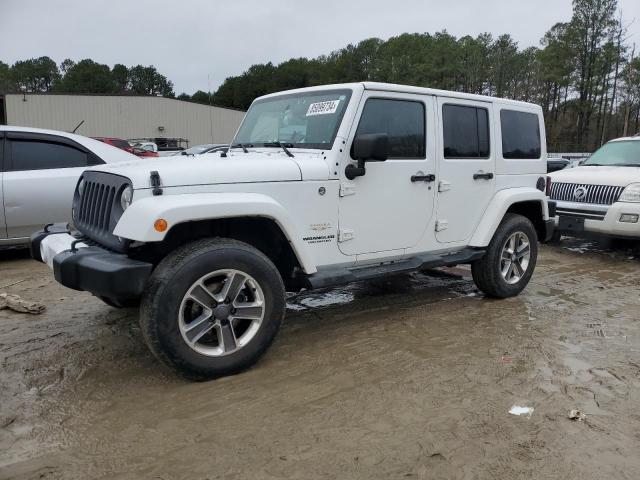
122,116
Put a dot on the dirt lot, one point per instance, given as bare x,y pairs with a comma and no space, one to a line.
410,378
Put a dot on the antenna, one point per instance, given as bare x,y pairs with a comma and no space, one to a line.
77,127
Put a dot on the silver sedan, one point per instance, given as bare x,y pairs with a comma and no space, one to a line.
39,170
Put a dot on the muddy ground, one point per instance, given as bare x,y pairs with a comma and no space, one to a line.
409,378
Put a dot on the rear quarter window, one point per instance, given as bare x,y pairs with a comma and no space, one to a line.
520,135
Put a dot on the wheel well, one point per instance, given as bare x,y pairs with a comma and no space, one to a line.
259,232
532,209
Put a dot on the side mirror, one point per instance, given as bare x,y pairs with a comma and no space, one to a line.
367,147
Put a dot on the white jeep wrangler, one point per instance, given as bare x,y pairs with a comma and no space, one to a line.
321,186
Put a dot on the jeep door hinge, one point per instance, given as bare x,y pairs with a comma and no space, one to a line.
443,186
345,234
347,189
442,225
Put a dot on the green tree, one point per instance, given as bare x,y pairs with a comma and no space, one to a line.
36,74
7,84
148,81
87,76
120,77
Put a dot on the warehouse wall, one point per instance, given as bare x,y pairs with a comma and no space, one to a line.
124,116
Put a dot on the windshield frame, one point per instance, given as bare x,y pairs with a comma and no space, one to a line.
348,92
606,145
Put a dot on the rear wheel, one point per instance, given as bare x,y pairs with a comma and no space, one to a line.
212,308
507,266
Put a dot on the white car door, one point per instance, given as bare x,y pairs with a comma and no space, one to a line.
3,224
40,176
467,167
388,208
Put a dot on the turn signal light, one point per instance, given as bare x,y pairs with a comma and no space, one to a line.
160,225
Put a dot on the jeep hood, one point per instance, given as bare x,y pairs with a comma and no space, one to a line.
205,169
617,176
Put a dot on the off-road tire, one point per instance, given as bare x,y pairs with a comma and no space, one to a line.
160,305
486,271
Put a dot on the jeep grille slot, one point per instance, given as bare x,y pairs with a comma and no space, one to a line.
584,193
97,210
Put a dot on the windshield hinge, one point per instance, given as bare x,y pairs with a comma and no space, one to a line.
154,177
347,189
444,186
345,234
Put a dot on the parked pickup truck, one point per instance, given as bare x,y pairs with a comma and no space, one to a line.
321,186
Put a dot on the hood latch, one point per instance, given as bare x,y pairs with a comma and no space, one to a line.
156,183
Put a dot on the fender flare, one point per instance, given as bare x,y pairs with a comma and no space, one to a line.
137,221
498,207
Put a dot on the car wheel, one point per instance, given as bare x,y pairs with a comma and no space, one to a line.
212,308
506,268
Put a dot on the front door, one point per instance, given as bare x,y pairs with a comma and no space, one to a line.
467,160
38,182
386,209
3,225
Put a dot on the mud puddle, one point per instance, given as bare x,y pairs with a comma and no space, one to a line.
412,377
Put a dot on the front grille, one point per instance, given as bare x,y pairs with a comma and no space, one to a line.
97,210
594,194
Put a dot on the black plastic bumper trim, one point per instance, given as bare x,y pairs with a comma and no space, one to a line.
101,272
549,228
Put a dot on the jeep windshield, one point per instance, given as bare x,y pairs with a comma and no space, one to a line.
296,120
625,153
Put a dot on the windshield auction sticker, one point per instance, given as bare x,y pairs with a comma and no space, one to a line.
323,108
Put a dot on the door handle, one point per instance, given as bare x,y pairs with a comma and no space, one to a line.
423,178
484,176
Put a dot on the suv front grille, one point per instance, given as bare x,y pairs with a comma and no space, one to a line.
594,194
97,210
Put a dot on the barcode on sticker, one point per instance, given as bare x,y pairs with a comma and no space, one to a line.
323,108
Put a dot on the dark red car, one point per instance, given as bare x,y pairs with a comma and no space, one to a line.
116,142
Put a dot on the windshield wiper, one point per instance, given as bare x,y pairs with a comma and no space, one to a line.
242,146
283,146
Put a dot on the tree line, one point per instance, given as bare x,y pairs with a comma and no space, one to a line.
42,75
584,74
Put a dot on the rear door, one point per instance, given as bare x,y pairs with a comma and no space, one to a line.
41,172
467,167
3,224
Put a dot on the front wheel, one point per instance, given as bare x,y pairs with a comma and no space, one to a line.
506,268
212,308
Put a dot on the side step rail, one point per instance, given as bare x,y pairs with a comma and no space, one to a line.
339,276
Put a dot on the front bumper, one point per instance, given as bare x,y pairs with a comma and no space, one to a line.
90,268
600,219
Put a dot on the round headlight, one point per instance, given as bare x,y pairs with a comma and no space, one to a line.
631,193
125,198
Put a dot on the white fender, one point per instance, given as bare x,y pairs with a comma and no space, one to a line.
137,221
498,207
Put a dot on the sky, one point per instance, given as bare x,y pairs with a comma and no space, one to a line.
198,43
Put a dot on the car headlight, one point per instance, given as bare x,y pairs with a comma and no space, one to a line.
81,186
631,193
125,197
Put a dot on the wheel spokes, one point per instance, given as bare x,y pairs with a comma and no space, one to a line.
203,296
231,288
199,327
248,311
227,336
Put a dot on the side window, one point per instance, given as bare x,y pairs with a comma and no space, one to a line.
520,135
465,131
401,120
39,155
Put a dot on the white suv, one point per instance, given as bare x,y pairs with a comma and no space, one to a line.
321,186
602,195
